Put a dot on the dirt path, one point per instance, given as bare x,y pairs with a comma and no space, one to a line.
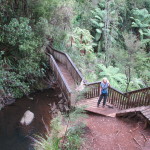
105,133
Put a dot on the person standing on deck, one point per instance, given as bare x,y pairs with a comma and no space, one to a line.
103,91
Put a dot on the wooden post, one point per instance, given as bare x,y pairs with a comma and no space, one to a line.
128,101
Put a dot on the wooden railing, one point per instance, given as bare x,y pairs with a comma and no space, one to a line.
62,81
66,60
93,89
121,100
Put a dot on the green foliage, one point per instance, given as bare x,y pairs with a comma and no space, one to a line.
75,130
18,31
74,139
52,141
12,84
135,83
116,78
66,132
43,8
105,23
74,25
86,63
98,24
76,114
81,18
42,29
143,67
22,57
115,46
81,39
24,29
141,21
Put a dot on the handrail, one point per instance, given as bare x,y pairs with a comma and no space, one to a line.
121,100
62,81
137,90
75,68
126,93
66,60
92,83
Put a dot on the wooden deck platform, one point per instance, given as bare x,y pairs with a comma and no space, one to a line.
91,106
144,110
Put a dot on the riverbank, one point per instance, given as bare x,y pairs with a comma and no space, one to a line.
40,103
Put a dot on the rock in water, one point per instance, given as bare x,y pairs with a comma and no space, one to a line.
27,118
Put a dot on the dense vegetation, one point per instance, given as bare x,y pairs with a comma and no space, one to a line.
104,38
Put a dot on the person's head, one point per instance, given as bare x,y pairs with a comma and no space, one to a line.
105,80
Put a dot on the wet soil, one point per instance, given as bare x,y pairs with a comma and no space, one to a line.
106,133
11,137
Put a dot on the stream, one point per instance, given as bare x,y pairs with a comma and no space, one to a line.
14,138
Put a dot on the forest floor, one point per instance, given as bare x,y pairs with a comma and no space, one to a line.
106,133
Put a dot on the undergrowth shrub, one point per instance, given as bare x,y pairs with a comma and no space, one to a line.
66,132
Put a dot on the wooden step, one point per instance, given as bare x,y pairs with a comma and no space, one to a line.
145,111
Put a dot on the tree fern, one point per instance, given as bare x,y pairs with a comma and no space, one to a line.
117,79
141,21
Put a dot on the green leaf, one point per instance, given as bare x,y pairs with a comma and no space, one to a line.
97,36
98,31
101,25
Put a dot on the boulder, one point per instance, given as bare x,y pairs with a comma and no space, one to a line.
26,126
27,118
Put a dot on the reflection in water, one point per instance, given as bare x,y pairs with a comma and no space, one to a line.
15,137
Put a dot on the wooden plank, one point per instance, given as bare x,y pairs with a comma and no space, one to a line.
147,98
146,110
140,100
120,101
125,102
109,96
146,113
115,98
133,100
144,97
112,96
139,90
147,116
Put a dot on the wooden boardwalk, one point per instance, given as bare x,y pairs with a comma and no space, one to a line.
67,75
69,78
91,106
143,110
146,112
110,110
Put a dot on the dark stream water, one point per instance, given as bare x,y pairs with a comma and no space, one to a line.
11,137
